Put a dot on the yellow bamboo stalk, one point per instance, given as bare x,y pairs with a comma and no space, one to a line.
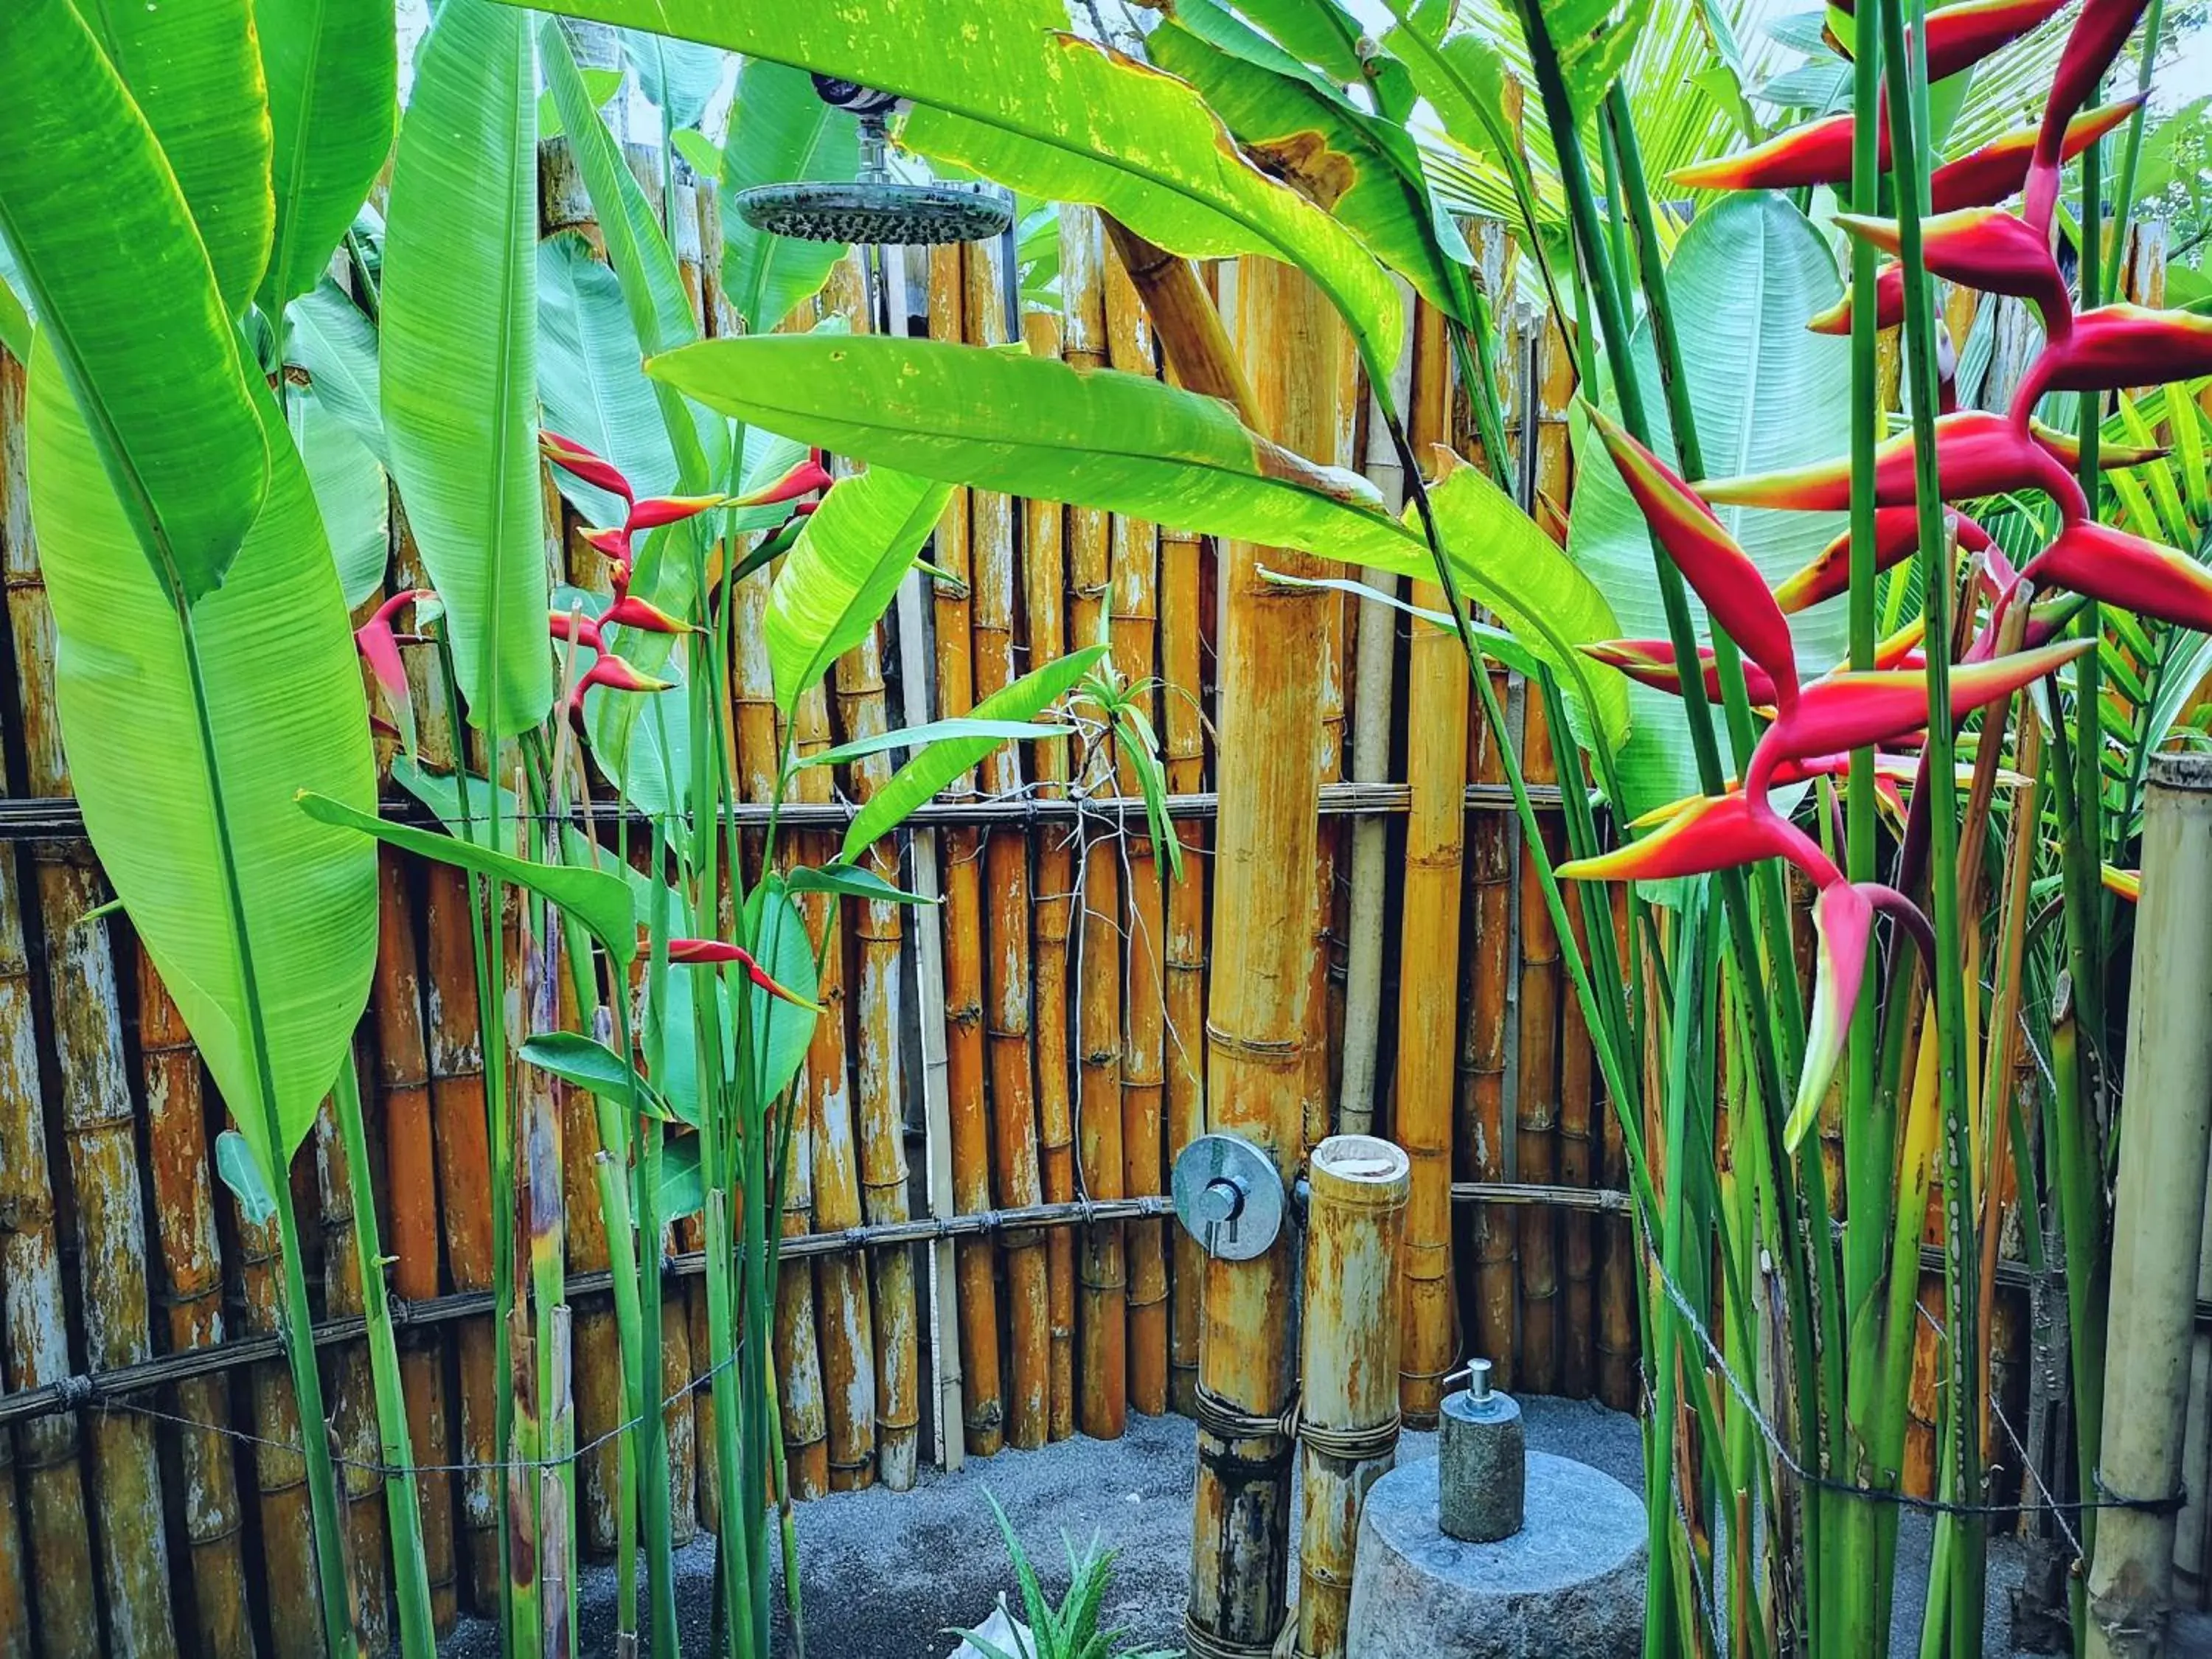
1355,1217
1044,570
1102,1268
1487,1233
1436,776
1324,1058
1184,738
1133,631
982,1395
1262,1014
1536,1094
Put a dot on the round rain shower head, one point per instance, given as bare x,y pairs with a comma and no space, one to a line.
878,212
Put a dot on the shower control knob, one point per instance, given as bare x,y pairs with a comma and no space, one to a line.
1227,1196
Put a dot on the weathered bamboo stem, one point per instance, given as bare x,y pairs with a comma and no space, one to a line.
982,1395
1044,573
1488,1293
286,1567
1257,1034
1103,1267
2158,1208
1577,1168
1323,1060
1184,738
1536,1095
1617,1352
1435,774
1355,1218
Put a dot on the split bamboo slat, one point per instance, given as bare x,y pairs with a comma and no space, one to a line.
1437,692
1007,1022
877,934
1103,1265
1261,1021
1133,633
1355,1218
1044,575
983,1405
1536,1092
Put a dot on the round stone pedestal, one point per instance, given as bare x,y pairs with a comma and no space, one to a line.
1568,1585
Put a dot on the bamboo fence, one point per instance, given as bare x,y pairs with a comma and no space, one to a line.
976,1256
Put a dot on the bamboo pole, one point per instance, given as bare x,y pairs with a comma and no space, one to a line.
1184,738
1355,1218
1488,1293
1260,1017
1101,1168
1577,1168
2158,1208
983,1407
1132,631
1536,1092
840,1284
1044,573
1436,774
1325,995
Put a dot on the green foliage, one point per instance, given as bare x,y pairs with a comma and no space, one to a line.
332,71
780,133
592,1067
1069,1631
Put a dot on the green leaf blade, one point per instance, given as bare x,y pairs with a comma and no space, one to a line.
332,68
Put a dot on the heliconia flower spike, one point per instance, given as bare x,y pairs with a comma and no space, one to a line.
379,648
2117,346
1651,662
1843,920
1991,174
2065,447
614,544
1888,305
1818,153
654,511
630,611
1966,33
592,468
617,674
1978,453
1851,710
2098,33
1712,832
1896,538
1982,248
576,627
2122,884
2127,571
714,953
809,476
1734,593
1898,649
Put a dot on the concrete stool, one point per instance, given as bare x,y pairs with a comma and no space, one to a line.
1568,1585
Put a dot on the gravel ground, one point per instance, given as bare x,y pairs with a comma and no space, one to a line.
885,1575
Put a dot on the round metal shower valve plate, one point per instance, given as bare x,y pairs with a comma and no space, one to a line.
1227,1196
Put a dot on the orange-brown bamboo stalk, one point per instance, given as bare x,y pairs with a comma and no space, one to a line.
1577,1168
1007,1016
1536,1093
1436,776
840,1288
191,1278
1102,1389
982,1395
287,1564
1044,572
1617,1355
1261,1017
1184,738
1488,1294
1132,629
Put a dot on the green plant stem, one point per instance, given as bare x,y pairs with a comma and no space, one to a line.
2124,196
411,1584
2081,1220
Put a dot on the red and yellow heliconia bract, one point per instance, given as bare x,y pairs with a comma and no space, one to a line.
587,464
1896,538
2100,31
1651,662
616,674
1997,171
1962,35
1710,832
1982,248
2115,569
379,644
1843,925
714,953
1888,305
2120,345
1978,453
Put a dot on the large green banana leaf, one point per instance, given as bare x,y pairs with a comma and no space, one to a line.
329,337
1768,396
176,428
1126,443
188,735
460,347
333,73
1000,87
588,378
781,132
351,492
844,572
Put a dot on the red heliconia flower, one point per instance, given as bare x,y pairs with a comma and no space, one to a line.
1651,662
688,952
379,648
1856,710
1818,153
630,611
2065,447
1982,248
1888,305
575,628
655,511
804,479
1843,924
1902,648
2120,345
1986,176
2117,568
592,468
2098,33
614,544
1734,593
1896,538
617,674
1978,453
1710,833
1966,33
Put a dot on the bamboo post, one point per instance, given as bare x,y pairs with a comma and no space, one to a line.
1101,1167
1436,776
287,1565
1577,1168
2192,1531
1617,1353
1536,1091
1326,991
1044,573
1487,1295
1133,631
1258,1032
1355,1217
2158,1208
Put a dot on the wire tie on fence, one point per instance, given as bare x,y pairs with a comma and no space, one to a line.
2172,1503
1203,1644
1355,1445
1224,1421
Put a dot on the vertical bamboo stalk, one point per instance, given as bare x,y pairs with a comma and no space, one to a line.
1044,571
1436,777
1258,1033
286,1567
1132,629
1487,1295
1355,1218
1184,737
982,1397
2158,1209
596,1390
1617,1384
1577,1168
1326,971
1536,1092
1102,1269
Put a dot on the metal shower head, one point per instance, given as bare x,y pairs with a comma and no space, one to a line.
875,209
